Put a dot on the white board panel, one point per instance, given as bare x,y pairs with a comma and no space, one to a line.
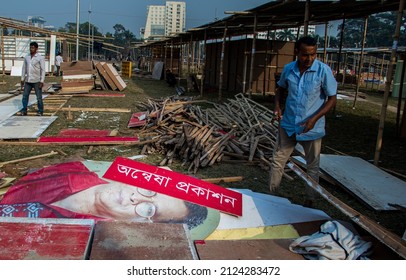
17,127
372,185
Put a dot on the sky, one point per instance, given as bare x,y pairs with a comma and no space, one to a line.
132,14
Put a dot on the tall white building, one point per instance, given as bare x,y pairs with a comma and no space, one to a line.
165,20
175,13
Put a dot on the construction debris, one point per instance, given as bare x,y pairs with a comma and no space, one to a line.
240,130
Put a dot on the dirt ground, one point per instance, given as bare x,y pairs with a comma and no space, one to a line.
349,131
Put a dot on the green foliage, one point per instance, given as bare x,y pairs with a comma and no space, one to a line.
285,35
380,30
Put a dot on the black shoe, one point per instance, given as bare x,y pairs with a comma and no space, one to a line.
21,113
40,114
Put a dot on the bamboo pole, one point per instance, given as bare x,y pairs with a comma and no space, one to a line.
204,63
252,56
2,50
172,56
361,61
28,158
388,84
223,47
306,18
325,42
400,94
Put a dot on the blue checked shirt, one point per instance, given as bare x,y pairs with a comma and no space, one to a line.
306,95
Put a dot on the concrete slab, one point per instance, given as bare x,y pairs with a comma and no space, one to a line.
123,240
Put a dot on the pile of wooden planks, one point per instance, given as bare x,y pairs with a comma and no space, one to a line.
78,76
109,77
238,131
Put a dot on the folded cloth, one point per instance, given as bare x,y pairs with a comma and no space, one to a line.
332,242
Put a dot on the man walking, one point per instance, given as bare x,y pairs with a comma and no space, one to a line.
58,61
33,76
311,92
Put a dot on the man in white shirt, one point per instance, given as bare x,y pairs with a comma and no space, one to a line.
58,61
33,76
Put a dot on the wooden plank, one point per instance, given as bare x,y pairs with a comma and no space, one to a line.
105,75
260,249
45,239
28,158
112,110
79,143
123,240
75,132
55,139
224,179
112,72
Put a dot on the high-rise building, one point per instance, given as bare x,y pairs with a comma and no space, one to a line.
175,13
165,20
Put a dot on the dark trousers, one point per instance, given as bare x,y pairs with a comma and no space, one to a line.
38,92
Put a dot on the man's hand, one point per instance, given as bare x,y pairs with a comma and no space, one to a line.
278,113
41,85
308,125
22,84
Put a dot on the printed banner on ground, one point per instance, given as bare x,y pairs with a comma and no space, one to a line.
175,184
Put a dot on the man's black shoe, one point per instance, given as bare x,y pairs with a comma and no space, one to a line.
22,113
40,114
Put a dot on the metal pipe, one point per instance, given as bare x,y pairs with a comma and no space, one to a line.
77,29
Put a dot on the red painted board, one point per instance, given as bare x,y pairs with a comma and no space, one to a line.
53,139
35,239
138,119
74,132
175,184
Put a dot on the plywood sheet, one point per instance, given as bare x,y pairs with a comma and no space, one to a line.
157,71
112,72
369,183
12,105
122,240
270,249
105,75
5,96
138,119
45,239
17,127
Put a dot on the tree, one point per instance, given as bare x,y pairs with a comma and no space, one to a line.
380,30
123,38
285,35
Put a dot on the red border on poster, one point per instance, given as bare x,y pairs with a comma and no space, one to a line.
175,184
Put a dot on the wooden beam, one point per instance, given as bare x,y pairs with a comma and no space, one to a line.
224,179
28,158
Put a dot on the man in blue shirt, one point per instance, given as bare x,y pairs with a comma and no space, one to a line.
311,92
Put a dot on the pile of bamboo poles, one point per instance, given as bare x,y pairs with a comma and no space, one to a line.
237,131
